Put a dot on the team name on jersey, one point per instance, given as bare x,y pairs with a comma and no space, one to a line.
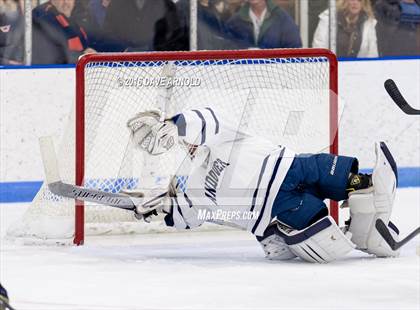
212,179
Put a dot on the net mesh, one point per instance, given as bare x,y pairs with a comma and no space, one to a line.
284,99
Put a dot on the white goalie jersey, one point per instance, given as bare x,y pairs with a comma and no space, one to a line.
235,176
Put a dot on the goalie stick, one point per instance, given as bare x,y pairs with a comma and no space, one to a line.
121,201
398,98
386,234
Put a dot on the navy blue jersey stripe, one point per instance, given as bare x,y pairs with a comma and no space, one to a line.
215,119
203,127
169,218
273,176
254,198
179,121
179,210
188,200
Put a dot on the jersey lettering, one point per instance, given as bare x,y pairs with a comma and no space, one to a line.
212,179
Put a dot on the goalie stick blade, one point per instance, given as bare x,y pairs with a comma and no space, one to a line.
398,98
57,187
49,159
386,234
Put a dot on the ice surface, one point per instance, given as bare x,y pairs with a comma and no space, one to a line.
208,270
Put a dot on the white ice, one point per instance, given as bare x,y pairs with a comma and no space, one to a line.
208,270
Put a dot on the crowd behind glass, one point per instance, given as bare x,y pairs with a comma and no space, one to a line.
62,30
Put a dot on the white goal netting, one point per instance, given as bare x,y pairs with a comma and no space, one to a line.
285,98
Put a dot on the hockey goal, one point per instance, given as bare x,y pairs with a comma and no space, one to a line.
287,95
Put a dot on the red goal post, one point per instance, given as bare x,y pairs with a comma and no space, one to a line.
288,58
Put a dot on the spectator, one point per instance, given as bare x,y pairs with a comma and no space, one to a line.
398,22
227,8
12,31
144,25
90,15
356,33
57,38
211,19
232,6
260,23
98,10
88,12
288,5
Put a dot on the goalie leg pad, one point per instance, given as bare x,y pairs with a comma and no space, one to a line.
274,246
322,242
368,205
363,215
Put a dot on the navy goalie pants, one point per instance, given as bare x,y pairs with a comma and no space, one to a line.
311,179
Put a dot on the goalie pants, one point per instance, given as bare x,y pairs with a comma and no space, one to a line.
311,179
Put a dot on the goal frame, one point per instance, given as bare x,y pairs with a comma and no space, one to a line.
191,55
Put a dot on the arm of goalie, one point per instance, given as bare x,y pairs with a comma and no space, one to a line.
177,207
152,134
180,216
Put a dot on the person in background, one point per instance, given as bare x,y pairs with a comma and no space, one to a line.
398,27
290,6
232,6
57,37
262,24
12,32
90,15
226,8
144,25
98,10
211,19
356,33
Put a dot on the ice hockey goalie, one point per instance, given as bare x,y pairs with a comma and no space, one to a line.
267,189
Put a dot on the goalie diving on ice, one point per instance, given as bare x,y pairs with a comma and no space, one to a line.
246,181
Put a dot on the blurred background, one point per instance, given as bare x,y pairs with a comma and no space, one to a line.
59,31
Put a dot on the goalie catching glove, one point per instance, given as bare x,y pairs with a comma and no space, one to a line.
151,134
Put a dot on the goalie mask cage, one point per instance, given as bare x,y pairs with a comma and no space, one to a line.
286,95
